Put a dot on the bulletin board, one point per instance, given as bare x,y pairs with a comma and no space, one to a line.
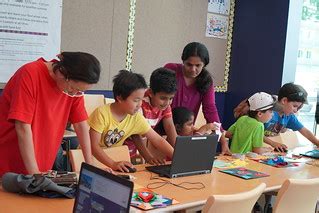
163,28
142,35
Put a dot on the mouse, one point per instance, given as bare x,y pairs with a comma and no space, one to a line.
131,169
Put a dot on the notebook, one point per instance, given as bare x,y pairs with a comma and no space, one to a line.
193,155
100,191
312,154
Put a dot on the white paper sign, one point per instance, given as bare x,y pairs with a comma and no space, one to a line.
29,29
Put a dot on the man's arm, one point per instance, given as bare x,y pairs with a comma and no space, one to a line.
25,142
82,132
308,134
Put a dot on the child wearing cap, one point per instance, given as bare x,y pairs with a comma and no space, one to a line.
291,98
247,132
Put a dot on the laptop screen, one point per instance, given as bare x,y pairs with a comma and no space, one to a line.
102,192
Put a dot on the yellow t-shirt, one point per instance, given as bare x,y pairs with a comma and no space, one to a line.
114,133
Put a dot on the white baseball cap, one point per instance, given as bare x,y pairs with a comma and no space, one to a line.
261,101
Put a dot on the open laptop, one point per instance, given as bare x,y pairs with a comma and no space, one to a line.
100,191
193,155
312,154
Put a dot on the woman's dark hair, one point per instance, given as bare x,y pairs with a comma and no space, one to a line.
126,82
204,80
78,66
181,115
293,92
163,80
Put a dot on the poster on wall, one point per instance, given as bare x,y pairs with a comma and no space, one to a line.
219,6
29,29
216,26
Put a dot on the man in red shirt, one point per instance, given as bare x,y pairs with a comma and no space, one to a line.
35,106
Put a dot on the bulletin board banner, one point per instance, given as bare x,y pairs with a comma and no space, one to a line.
29,29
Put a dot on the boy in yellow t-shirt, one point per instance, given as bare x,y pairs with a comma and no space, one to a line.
111,124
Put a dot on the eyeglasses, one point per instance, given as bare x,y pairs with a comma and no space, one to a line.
72,91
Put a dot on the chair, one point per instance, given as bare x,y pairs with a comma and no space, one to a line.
239,203
93,101
119,153
109,100
297,196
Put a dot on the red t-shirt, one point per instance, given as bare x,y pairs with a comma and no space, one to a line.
152,114
32,96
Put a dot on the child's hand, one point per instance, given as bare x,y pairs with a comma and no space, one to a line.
121,166
108,169
226,151
155,161
279,146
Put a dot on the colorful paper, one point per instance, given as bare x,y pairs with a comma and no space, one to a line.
155,200
244,173
278,162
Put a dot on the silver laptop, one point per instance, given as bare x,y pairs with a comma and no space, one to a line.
193,155
100,191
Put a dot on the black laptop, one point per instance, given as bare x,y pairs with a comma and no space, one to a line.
312,154
100,191
193,155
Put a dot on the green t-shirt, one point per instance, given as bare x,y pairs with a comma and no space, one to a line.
248,133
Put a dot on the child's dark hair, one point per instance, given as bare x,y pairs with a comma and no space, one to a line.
293,92
78,66
181,115
163,80
126,82
204,79
253,114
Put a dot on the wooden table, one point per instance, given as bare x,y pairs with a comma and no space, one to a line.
215,183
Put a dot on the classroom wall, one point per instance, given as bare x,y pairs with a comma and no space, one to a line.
258,50
257,55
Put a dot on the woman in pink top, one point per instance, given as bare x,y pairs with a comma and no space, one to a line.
195,85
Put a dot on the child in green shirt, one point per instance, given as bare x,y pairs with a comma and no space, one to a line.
247,132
